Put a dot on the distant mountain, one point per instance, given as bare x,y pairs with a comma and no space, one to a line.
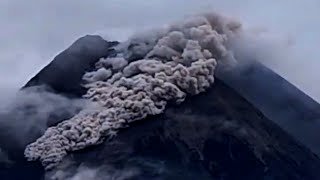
228,132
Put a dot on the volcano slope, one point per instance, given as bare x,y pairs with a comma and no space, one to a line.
289,107
215,135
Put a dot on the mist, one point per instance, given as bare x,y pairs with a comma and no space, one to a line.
26,114
83,172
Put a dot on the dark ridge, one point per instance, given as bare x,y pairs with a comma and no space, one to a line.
65,72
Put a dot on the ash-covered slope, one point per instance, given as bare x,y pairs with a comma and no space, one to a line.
215,135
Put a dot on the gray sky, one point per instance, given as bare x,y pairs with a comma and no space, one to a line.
33,32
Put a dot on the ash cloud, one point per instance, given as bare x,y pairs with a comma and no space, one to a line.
151,71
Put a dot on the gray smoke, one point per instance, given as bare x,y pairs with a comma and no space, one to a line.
151,70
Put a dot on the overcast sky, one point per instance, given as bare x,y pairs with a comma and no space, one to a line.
33,32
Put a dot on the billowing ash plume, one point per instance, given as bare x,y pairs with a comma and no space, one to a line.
151,70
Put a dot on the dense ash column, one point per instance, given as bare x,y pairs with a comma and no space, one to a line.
169,65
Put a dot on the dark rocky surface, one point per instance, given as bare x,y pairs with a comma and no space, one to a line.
65,72
278,100
215,135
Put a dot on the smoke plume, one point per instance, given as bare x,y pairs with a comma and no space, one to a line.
152,69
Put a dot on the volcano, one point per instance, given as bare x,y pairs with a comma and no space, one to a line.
228,132
173,103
